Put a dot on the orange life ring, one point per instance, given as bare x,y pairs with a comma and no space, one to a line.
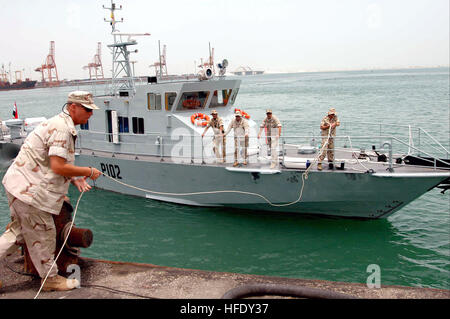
244,114
191,104
199,119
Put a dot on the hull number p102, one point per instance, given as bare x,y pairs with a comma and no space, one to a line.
111,170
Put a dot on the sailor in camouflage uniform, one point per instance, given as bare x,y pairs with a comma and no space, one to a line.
241,130
329,122
272,126
36,185
219,139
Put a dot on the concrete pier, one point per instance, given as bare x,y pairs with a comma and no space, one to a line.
116,280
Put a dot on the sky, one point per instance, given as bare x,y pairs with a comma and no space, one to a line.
276,36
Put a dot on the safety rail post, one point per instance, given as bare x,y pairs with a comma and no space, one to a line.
390,169
192,149
203,159
161,148
419,141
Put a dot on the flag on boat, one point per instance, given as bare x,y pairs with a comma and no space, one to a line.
15,113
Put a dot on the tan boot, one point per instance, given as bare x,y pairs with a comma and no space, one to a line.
59,283
245,163
1,285
235,164
319,166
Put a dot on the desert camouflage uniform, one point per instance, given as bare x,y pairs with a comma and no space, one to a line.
271,127
329,149
35,192
218,140
241,129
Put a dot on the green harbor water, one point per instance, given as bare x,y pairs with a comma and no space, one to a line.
412,247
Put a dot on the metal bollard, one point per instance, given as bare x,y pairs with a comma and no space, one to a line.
78,237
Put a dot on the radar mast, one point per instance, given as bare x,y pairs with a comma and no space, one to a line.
122,78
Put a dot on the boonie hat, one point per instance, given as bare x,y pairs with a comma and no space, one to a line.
82,97
332,111
237,114
214,112
268,111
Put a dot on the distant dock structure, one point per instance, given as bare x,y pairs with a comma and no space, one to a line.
246,70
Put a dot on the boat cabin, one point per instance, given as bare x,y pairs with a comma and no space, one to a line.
137,122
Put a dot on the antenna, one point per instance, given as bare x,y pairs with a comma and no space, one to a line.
161,65
209,44
113,20
160,62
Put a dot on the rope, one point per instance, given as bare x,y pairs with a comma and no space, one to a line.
354,155
205,193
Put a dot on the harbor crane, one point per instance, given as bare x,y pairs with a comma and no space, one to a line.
48,69
96,67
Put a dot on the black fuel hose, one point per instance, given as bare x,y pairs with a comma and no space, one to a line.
252,290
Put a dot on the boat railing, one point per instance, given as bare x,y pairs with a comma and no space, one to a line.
193,148
412,135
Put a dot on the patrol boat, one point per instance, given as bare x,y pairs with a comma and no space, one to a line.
12,135
146,139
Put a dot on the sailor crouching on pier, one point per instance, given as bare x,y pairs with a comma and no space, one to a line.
219,139
241,131
273,132
36,185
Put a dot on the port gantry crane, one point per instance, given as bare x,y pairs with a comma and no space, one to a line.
48,69
96,67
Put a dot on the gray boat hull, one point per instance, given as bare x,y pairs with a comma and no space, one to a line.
8,152
337,193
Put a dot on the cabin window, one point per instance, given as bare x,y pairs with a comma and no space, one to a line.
138,125
220,98
170,100
153,101
123,125
192,100
85,126
233,97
